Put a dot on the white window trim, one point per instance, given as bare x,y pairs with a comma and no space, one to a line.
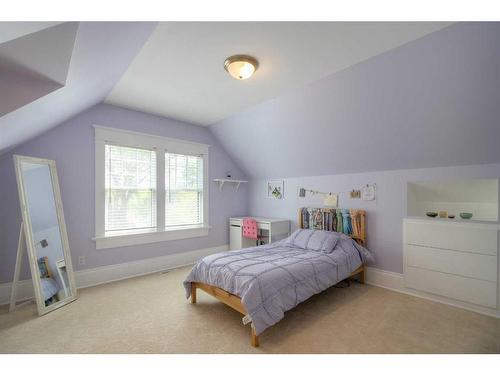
129,138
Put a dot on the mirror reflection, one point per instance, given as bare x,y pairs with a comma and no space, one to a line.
46,233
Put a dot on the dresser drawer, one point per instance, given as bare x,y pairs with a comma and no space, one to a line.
479,266
454,237
461,288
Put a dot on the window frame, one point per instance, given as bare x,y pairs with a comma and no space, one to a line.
152,169
201,208
161,145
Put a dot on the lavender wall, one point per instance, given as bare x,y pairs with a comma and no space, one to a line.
433,102
430,103
384,215
71,145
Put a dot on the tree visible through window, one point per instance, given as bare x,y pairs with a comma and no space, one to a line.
130,183
148,188
183,190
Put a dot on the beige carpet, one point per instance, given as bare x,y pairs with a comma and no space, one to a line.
150,315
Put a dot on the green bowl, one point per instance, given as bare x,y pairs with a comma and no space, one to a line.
432,214
465,215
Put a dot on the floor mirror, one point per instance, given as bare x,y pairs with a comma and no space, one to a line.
43,235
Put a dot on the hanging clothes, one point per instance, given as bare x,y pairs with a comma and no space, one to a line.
339,221
356,227
305,218
346,222
334,219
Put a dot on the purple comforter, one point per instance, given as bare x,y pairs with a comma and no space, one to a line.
274,278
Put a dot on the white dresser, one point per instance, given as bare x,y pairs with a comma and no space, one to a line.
454,259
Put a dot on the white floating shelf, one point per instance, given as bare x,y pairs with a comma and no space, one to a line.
222,181
476,195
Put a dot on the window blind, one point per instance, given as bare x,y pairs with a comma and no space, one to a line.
130,183
183,190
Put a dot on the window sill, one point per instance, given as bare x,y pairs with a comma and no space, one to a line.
121,239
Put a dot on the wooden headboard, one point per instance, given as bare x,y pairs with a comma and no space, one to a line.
328,219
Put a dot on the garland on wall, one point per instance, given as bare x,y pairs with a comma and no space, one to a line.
366,193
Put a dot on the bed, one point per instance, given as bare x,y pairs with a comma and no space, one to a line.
264,282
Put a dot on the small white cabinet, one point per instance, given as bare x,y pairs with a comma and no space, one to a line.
457,260
235,236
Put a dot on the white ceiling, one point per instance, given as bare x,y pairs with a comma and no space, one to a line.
179,72
101,53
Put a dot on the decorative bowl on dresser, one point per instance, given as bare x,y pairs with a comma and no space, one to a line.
465,215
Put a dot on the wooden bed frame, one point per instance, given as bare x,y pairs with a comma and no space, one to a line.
234,301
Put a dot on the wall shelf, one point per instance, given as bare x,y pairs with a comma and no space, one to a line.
478,196
222,181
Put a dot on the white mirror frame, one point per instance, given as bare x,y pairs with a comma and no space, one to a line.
28,233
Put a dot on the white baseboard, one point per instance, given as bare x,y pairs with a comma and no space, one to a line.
24,291
106,274
115,272
395,282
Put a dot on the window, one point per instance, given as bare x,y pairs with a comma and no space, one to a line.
184,190
130,181
148,188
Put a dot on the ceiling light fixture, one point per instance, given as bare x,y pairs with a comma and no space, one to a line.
241,66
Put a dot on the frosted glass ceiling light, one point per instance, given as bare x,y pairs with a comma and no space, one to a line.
241,66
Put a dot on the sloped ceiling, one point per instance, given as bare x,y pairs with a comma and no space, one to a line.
34,65
13,30
180,71
432,102
46,53
101,53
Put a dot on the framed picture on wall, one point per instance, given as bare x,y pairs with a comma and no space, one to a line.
275,189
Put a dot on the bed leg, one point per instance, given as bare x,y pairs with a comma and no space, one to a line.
362,276
254,338
193,293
